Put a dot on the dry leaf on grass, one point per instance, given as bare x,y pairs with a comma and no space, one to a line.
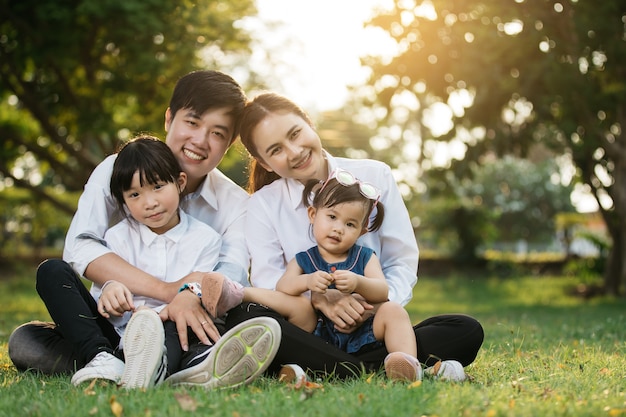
89,390
116,408
414,384
186,402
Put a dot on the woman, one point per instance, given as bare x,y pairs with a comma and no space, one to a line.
287,152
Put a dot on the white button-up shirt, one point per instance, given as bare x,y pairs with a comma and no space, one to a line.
187,247
277,227
218,202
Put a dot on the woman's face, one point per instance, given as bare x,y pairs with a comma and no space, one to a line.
290,147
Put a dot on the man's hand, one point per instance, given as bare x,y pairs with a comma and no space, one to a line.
347,311
115,300
186,311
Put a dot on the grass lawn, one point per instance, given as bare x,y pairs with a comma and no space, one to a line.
545,354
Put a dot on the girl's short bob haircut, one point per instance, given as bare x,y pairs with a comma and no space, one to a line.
149,156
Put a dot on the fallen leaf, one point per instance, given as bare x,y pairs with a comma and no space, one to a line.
186,402
116,408
414,384
89,390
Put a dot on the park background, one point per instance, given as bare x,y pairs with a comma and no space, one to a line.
502,122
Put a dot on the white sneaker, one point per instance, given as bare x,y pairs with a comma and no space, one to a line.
103,366
238,357
447,371
292,373
400,366
144,350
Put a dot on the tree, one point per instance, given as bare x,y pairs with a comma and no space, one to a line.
78,76
508,200
548,72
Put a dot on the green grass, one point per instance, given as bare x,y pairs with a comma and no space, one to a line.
545,354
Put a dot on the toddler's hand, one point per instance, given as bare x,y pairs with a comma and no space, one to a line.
345,281
318,281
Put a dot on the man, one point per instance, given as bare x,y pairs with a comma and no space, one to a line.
201,124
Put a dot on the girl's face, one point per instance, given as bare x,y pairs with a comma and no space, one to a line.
155,205
337,228
199,141
290,147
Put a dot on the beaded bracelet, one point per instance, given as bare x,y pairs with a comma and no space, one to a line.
194,287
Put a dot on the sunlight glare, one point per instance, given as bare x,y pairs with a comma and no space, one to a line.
315,46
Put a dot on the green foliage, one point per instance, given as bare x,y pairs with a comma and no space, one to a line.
505,200
523,195
77,76
534,73
545,354
31,223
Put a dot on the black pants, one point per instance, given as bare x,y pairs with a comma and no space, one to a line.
79,332
63,348
452,336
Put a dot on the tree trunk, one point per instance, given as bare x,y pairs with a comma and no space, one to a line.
614,269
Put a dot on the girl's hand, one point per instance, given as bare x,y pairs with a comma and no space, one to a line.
345,281
115,299
318,281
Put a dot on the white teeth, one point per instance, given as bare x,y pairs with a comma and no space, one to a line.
302,161
192,155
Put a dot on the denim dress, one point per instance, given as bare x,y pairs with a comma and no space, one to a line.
358,256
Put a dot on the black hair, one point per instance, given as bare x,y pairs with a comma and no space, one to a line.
154,160
209,89
334,193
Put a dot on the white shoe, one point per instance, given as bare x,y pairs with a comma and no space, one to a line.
292,373
238,357
144,350
400,366
103,366
447,371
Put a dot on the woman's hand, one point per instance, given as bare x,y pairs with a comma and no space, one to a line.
347,311
186,311
115,300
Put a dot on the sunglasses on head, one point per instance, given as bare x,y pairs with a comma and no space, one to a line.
346,179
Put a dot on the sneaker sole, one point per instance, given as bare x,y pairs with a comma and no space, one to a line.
144,338
241,354
398,368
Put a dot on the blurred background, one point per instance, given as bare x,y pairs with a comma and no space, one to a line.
501,119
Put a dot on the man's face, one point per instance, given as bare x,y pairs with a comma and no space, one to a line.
199,141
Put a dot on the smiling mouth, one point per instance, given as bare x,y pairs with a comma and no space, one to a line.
303,161
155,216
192,155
